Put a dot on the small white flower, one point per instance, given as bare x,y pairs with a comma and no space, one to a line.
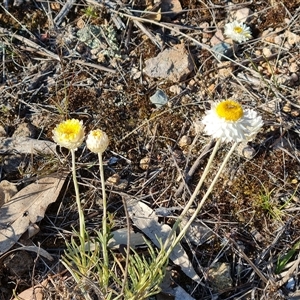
237,31
229,122
97,141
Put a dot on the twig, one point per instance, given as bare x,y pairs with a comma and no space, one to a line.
63,12
248,260
30,43
95,66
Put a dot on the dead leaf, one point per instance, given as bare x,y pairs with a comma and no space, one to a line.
27,207
146,220
33,293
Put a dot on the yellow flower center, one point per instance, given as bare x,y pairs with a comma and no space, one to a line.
229,110
69,129
238,29
97,133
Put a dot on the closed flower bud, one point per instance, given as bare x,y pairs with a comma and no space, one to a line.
97,141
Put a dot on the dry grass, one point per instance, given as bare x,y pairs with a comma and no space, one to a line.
253,211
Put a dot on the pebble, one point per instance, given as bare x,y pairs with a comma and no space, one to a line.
292,38
294,77
246,151
221,50
293,67
116,181
159,99
184,141
278,40
144,163
267,52
242,15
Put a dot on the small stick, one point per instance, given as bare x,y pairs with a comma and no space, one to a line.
63,12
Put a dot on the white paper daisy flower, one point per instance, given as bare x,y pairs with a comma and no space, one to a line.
237,31
69,134
97,141
228,121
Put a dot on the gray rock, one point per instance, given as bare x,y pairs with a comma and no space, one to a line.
173,64
219,276
222,49
159,99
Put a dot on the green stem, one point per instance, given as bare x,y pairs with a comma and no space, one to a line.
80,212
104,223
195,214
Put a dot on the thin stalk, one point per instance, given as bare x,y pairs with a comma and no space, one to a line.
195,214
80,212
104,223
194,195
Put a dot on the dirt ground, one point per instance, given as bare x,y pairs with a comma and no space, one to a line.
51,71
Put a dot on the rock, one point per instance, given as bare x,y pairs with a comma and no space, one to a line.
293,68
173,64
246,150
294,77
219,277
278,40
217,38
7,190
184,141
292,38
159,99
25,130
222,50
173,6
242,15
144,163
116,182
267,52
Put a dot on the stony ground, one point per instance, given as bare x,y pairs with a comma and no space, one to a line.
145,73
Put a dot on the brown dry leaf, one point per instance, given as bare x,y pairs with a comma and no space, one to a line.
27,207
33,293
146,220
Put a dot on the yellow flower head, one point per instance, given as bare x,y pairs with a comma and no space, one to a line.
229,110
69,134
97,141
228,121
